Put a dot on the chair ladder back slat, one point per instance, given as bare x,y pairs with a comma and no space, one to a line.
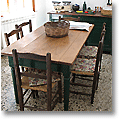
14,32
32,75
24,24
32,56
17,31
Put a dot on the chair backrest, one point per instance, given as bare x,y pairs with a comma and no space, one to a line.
32,56
103,29
102,36
99,52
18,74
69,19
24,24
17,31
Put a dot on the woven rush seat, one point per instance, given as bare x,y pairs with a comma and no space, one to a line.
37,83
83,66
88,52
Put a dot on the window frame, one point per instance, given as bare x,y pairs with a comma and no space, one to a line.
33,6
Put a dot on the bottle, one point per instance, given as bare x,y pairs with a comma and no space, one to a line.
84,6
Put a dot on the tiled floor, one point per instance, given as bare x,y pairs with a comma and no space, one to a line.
102,101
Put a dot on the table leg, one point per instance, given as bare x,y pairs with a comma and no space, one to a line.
14,84
50,17
66,73
66,93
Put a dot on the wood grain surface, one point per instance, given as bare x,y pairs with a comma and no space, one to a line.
63,50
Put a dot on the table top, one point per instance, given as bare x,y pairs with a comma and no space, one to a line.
97,14
63,50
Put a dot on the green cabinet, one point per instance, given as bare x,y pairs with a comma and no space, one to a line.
94,37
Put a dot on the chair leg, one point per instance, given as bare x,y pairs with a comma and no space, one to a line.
37,94
73,79
100,61
20,97
26,69
92,97
60,91
93,88
21,107
97,81
49,95
33,93
22,69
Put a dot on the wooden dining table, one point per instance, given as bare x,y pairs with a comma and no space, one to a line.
63,53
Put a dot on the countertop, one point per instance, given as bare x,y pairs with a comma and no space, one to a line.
97,14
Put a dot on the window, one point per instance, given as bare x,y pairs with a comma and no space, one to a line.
11,6
4,6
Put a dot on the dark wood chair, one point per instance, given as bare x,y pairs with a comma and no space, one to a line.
69,19
90,51
30,30
24,24
7,35
26,81
85,69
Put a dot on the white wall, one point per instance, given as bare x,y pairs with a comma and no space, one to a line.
90,3
49,7
41,12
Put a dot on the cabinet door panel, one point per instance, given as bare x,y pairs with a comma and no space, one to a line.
94,37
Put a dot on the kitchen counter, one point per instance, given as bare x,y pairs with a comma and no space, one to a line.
97,14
